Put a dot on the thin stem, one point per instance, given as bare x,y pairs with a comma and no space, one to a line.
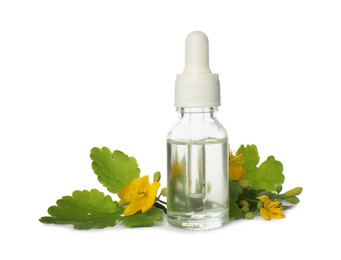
160,206
253,200
164,202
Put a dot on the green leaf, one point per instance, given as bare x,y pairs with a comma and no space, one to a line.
268,175
265,177
146,219
250,155
114,170
85,210
235,190
235,212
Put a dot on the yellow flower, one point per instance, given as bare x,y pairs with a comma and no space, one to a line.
270,209
139,194
236,170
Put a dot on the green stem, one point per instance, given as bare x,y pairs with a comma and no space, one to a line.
164,202
253,200
160,206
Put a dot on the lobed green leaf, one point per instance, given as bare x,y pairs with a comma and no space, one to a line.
265,177
268,175
234,190
85,210
114,170
250,155
234,210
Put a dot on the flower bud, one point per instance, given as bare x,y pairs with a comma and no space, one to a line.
279,188
122,203
245,209
292,200
259,204
164,192
244,203
157,176
245,184
249,215
293,192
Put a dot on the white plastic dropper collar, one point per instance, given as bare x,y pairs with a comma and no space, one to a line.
197,86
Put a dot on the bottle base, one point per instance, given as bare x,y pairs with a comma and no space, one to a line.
196,222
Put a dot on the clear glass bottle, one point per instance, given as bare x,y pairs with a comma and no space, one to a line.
197,147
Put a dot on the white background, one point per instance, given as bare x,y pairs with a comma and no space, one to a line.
79,74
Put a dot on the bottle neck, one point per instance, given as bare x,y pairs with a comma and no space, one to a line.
197,112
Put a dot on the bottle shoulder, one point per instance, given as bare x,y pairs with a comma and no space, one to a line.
197,129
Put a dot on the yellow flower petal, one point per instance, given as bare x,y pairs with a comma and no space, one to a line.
140,194
275,210
135,190
276,216
149,199
133,207
265,200
143,183
236,170
276,213
270,209
125,194
265,214
274,204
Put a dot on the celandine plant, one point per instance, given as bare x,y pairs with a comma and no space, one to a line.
253,190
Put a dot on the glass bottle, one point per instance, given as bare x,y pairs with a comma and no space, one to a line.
197,146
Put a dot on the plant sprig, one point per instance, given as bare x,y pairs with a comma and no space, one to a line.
253,190
256,190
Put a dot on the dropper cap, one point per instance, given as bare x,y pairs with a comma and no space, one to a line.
197,86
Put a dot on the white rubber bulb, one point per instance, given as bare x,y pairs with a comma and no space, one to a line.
197,56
